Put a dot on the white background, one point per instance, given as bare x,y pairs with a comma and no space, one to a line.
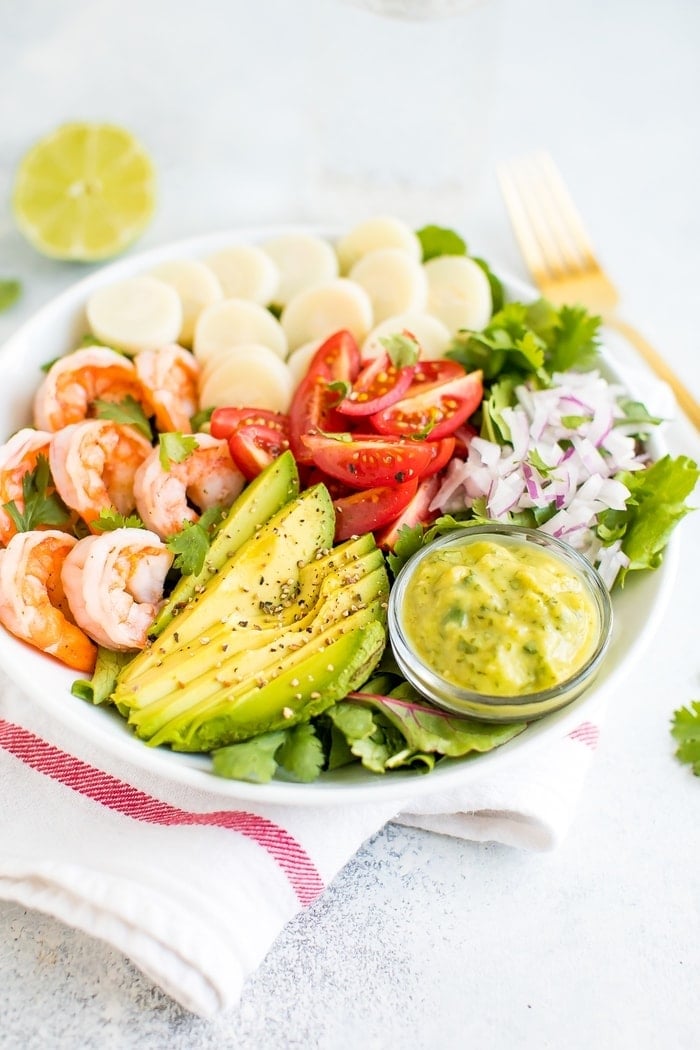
422,940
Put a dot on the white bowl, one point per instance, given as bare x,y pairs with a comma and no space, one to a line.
54,330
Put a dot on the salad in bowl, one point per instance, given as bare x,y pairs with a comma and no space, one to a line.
220,456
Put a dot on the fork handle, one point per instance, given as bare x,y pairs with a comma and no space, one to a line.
683,396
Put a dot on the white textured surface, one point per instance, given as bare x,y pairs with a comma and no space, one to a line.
422,940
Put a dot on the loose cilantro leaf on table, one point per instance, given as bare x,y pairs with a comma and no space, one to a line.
685,729
126,411
9,293
42,504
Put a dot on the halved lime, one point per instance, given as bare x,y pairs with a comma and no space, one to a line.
84,192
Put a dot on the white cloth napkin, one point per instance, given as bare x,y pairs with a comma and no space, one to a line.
195,888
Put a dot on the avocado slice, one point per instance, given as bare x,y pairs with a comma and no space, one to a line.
283,629
263,497
342,663
233,642
218,674
262,574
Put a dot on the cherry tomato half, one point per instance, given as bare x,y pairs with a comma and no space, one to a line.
369,510
365,461
314,404
253,446
442,454
379,384
436,410
225,420
417,511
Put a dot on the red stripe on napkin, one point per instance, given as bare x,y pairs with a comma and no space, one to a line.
587,733
117,795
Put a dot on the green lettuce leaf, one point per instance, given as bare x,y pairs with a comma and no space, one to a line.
656,505
438,240
428,729
98,689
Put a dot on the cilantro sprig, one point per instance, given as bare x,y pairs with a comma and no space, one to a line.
175,447
685,729
526,338
191,543
127,410
41,503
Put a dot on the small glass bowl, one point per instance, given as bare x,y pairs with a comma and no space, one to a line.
487,707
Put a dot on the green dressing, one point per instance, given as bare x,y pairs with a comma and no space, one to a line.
500,618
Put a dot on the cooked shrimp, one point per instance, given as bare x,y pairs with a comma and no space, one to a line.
18,457
33,604
75,381
114,585
207,478
169,380
93,464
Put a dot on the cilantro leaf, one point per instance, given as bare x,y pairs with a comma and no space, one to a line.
637,414
403,349
301,755
252,760
126,411
409,539
574,342
110,520
295,753
175,447
191,544
439,240
501,395
9,293
190,547
201,418
530,339
685,729
42,504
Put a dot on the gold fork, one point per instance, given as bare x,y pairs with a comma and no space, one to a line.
561,260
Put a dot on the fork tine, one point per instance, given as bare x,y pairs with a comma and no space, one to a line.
522,228
570,223
545,221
